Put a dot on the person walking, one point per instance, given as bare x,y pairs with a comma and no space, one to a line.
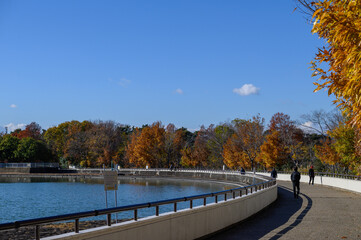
295,178
274,173
311,173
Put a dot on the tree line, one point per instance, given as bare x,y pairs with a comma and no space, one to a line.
329,143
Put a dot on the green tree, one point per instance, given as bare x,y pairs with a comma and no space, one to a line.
8,146
31,150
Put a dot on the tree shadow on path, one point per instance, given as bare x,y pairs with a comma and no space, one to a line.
273,217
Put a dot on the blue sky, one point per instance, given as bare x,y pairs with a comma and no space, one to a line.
137,62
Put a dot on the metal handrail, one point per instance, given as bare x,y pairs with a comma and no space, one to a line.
108,211
327,174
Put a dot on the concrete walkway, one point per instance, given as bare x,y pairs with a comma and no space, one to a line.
321,213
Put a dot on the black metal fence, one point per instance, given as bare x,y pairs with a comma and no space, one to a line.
29,165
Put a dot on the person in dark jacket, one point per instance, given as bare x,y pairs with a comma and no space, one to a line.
243,171
311,173
295,178
274,173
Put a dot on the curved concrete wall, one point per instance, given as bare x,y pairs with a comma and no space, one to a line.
224,176
351,185
184,224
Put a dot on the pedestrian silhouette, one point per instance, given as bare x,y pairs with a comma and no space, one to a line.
311,173
274,173
295,178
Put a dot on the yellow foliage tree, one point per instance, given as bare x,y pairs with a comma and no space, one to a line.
339,23
233,156
272,151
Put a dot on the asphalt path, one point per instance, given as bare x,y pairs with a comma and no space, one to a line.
320,213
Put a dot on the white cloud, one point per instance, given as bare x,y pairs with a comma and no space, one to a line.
246,89
308,127
179,91
11,126
13,106
308,124
124,82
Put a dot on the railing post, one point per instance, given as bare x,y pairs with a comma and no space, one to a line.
246,191
157,210
204,201
216,199
234,194
175,207
76,225
191,204
225,197
135,214
109,219
37,232
251,189
240,193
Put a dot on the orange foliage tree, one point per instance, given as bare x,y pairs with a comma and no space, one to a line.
327,153
288,141
196,155
147,147
243,148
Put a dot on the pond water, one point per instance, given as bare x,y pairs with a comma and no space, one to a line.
41,197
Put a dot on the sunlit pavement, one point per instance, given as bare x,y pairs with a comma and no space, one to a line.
320,213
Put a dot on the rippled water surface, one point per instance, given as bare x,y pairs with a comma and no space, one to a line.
48,197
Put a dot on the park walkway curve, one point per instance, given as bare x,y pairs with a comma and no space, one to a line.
321,213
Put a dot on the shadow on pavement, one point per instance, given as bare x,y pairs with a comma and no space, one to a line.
273,217
297,221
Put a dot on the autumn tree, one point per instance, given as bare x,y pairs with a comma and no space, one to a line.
76,148
272,152
147,147
32,130
344,144
56,137
233,155
337,65
243,147
171,150
288,140
197,155
327,153
175,141
218,137
105,140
